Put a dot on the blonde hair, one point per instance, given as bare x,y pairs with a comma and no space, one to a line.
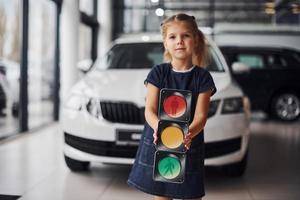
200,52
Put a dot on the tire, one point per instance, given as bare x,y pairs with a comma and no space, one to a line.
76,165
236,169
286,106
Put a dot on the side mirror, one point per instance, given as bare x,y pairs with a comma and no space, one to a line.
240,68
84,65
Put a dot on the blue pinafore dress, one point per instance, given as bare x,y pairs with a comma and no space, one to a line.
196,80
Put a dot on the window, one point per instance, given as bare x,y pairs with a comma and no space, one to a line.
290,60
85,42
135,56
41,62
10,20
86,6
254,61
88,33
146,55
276,61
214,64
282,61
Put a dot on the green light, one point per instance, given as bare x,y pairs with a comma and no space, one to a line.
169,167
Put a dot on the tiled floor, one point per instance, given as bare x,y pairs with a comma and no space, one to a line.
32,166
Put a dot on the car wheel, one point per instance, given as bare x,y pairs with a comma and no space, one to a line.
236,169
286,106
76,165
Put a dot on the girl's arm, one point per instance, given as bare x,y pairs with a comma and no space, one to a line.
152,106
200,117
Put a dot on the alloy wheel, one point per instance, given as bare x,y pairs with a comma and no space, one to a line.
287,107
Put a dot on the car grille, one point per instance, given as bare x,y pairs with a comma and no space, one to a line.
122,112
129,113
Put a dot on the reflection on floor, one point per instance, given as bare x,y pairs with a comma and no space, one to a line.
40,112
8,125
32,166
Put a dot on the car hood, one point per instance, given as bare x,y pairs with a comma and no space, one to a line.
115,85
128,85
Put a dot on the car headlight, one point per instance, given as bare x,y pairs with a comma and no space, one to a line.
93,107
232,105
213,107
75,102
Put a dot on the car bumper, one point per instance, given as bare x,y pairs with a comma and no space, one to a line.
95,140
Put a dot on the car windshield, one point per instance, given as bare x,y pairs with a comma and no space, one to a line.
145,55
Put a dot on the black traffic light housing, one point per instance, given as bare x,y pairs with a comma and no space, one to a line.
174,114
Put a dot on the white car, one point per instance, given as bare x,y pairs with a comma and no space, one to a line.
103,116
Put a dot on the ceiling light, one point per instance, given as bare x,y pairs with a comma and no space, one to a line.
159,12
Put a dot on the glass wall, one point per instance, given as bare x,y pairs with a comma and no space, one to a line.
88,34
41,61
141,16
10,29
85,42
86,6
146,15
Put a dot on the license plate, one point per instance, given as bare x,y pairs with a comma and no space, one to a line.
128,137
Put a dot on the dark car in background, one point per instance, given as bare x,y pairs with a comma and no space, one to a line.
270,78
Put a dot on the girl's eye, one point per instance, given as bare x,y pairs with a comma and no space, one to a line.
186,35
172,37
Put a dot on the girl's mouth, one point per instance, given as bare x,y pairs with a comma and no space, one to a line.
179,49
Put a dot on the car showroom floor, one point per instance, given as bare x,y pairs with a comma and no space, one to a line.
32,167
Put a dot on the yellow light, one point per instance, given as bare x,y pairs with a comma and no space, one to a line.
172,137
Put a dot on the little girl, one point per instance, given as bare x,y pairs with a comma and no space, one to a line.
185,53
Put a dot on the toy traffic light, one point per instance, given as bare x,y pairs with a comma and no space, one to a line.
174,105
174,114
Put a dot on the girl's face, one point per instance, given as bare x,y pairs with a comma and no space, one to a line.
180,41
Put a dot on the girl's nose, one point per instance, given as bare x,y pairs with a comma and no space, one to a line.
179,40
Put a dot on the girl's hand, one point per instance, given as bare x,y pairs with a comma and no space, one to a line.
155,136
187,140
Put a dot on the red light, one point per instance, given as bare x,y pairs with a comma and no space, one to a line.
174,106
